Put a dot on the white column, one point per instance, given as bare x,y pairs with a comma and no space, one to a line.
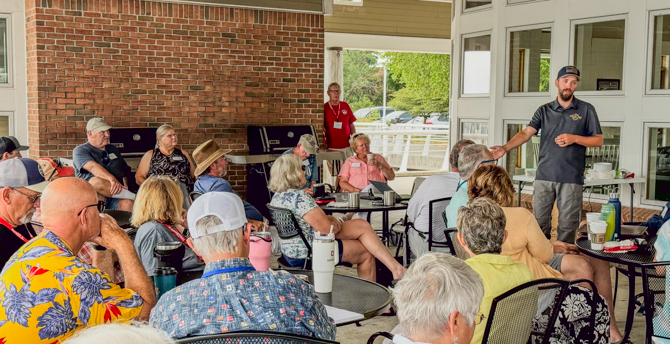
334,70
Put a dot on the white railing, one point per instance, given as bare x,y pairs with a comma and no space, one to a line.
422,147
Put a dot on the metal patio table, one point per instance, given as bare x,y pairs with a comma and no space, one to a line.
366,206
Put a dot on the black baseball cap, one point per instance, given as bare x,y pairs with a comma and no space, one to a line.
568,70
9,144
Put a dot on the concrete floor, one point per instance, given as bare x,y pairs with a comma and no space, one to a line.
351,334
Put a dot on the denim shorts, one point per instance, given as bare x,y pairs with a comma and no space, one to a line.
299,263
112,203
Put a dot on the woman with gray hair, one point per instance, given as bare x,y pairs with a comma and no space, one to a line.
438,301
363,166
358,243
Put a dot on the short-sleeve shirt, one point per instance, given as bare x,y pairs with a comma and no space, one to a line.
299,203
209,183
459,199
245,300
48,293
151,233
110,159
10,243
337,137
311,173
360,172
566,164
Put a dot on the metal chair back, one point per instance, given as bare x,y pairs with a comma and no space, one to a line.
254,337
194,195
374,336
512,314
436,208
655,283
288,227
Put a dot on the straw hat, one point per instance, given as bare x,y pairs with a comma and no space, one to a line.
206,154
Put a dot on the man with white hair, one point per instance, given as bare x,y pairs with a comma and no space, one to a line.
306,150
232,295
21,184
469,160
438,301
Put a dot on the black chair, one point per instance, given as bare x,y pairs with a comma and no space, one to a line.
513,313
374,336
254,337
194,195
437,222
287,228
654,289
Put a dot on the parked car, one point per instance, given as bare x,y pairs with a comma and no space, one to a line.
399,117
367,112
437,118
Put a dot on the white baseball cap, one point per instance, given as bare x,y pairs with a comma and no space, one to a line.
227,206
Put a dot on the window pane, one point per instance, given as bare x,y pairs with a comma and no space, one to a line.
660,79
525,157
4,53
599,55
658,175
4,126
478,132
476,65
608,152
529,54
476,3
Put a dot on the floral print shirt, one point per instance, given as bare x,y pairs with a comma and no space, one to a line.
47,293
242,299
299,203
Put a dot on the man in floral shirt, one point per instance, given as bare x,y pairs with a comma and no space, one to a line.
47,293
232,295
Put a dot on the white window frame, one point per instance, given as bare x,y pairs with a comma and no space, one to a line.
519,2
506,122
507,52
650,53
348,3
645,162
462,64
10,51
10,116
475,9
473,120
573,25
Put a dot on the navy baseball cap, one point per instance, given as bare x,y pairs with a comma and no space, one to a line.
568,70
22,173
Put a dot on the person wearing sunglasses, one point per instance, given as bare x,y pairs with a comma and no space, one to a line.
21,184
51,294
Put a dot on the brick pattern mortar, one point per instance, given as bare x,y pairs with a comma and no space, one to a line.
207,70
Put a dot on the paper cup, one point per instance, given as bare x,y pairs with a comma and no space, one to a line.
590,217
370,157
597,231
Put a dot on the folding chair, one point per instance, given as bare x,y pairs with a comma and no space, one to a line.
254,337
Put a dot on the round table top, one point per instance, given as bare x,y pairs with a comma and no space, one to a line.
629,258
353,294
122,217
366,206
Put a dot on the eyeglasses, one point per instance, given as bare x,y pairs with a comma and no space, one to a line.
334,91
100,205
494,161
32,199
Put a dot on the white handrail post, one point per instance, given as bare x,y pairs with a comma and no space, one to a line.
405,155
426,145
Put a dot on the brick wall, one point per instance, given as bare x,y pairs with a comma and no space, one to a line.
209,71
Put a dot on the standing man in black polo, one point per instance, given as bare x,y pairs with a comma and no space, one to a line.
568,125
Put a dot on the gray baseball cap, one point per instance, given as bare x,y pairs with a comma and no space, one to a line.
97,123
22,173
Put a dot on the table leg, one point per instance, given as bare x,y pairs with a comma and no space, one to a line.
521,185
385,228
631,303
632,193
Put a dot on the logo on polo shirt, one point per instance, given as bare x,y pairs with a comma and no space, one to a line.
575,117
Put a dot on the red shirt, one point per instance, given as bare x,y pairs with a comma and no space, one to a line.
337,138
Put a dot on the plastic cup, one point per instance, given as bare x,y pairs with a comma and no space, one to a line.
597,230
590,217
260,250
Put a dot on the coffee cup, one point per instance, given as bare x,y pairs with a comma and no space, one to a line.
325,255
165,278
597,231
260,250
389,197
590,217
370,158
354,199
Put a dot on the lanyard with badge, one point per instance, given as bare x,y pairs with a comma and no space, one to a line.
337,124
180,237
11,228
224,271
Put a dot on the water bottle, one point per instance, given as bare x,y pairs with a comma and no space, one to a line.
165,278
614,201
607,214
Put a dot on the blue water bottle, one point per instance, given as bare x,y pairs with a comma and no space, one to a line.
614,201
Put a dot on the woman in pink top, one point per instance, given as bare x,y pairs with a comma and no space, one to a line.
358,169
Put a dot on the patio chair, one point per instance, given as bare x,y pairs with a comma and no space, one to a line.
194,195
254,337
287,228
435,214
400,232
513,314
657,311
374,336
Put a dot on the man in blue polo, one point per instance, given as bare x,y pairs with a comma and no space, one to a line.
568,125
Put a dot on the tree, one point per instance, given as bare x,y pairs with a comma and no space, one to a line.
364,80
426,81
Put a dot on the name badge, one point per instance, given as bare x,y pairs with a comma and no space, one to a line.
356,164
177,158
337,125
112,156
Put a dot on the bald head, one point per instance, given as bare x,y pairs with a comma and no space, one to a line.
63,199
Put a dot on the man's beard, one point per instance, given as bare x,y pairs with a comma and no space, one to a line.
27,217
564,97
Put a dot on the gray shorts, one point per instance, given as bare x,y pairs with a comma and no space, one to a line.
555,262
